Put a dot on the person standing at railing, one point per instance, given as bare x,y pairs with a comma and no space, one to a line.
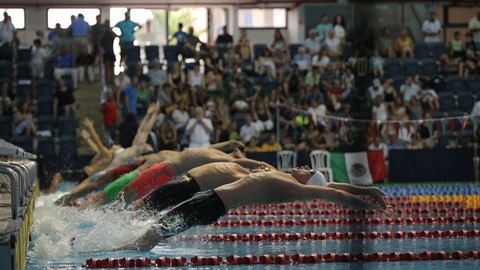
80,30
474,27
127,28
431,28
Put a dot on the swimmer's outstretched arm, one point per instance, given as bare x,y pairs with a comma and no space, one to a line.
228,146
83,189
251,163
146,125
375,193
92,144
88,123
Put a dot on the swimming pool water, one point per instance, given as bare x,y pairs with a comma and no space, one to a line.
96,230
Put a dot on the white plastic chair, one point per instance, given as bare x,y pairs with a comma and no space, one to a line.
320,160
286,160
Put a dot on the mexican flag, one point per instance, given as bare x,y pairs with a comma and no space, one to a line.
360,168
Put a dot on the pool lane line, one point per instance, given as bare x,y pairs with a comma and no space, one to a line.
324,212
336,221
279,259
264,237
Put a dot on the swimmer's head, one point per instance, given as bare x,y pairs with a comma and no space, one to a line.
307,176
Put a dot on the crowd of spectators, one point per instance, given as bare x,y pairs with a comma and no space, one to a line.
233,89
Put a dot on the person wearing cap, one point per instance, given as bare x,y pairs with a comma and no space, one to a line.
263,187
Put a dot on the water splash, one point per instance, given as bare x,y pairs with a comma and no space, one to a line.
65,231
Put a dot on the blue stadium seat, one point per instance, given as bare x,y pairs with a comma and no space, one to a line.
25,142
438,48
455,113
46,146
393,67
152,52
398,81
361,115
438,114
45,88
44,106
6,127
133,53
23,87
347,50
248,67
293,49
465,138
239,118
465,101
439,84
170,53
45,122
456,83
24,53
411,67
429,67
6,70
23,71
447,101
67,147
421,50
258,50
221,51
474,86
66,125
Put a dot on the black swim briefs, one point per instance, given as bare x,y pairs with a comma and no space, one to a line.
172,193
202,209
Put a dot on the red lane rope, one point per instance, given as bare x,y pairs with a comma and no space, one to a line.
280,259
242,212
356,221
263,237
320,204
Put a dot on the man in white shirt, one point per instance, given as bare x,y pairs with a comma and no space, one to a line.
431,28
474,27
312,43
249,130
376,89
6,29
409,89
199,129
157,75
37,61
302,59
476,109
333,43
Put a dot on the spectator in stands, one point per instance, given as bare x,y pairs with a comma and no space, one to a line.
456,49
96,31
429,98
474,27
376,63
198,129
243,46
55,32
294,81
317,111
214,81
312,42
64,64
431,28
252,146
415,143
321,59
262,116
279,42
213,60
176,75
333,45
339,27
265,61
389,93
470,44
39,34
378,144
428,131
224,39
106,43
303,60
313,77
180,116
195,77
167,134
287,116
415,109
350,142
126,131
6,100
393,142
281,61
249,130
164,96
409,89
376,89
23,121
179,36
7,30
80,31
469,65
271,145
238,98
84,64
62,39
231,61
64,102
399,110
37,60
324,27
404,45
109,114
144,93
446,66
127,29
385,44
129,100
189,49
156,75
475,109
379,110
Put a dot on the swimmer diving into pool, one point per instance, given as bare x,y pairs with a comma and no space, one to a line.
146,178
256,188
139,164
106,158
